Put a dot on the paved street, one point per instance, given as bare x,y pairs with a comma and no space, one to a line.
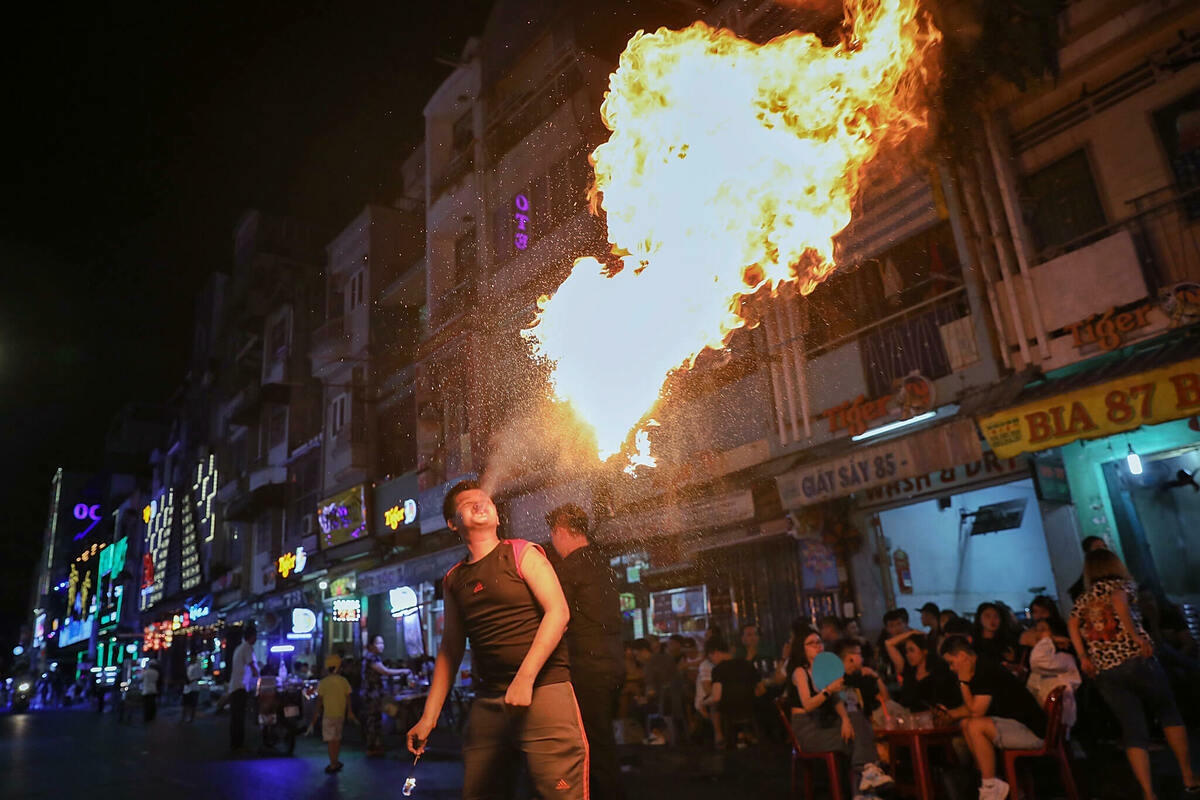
42,755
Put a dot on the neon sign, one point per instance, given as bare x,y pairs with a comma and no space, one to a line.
399,515
346,609
85,512
403,601
304,621
342,517
292,562
521,237
199,610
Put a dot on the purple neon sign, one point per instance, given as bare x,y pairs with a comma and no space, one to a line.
521,217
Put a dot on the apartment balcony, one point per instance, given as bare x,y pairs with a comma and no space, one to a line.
330,344
1136,265
265,487
460,165
245,407
408,289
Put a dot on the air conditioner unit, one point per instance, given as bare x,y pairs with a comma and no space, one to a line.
306,525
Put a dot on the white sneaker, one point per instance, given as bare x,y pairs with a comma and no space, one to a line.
998,791
873,778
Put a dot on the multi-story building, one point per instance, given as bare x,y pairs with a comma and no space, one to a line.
268,416
363,355
829,462
85,597
1095,176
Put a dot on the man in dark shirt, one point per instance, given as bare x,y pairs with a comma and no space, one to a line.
506,597
997,711
735,686
593,639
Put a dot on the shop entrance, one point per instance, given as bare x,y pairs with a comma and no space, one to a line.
1156,515
972,547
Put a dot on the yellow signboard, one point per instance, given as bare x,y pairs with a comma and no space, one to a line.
1119,405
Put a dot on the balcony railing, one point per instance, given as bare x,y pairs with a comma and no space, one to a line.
1165,226
329,340
453,172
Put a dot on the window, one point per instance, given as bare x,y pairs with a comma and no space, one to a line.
354,289
463,133
466,257
1063,203
277,339
337,415
1178,127
278,427
262,535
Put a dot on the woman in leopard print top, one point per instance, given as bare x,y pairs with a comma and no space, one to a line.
1120,656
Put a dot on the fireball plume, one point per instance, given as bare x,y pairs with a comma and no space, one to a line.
730,168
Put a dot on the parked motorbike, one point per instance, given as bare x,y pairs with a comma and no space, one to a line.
280,712
22,695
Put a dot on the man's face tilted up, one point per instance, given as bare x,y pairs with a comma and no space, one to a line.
474,511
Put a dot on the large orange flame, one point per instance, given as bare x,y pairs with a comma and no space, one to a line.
731,166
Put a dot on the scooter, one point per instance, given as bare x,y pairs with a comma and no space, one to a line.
22,695
291,701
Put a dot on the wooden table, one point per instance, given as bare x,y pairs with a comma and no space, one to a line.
918,740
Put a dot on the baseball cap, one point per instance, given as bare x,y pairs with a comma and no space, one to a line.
332,662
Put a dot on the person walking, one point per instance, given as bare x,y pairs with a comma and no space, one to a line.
593,640
1114,648
506,597
373,693
333,706
150,678
191,691
243,682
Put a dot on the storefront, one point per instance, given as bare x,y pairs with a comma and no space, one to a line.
404,603
720,557
1124,428
834,503
342,615
286,631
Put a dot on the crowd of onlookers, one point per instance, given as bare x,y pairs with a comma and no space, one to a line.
1123,656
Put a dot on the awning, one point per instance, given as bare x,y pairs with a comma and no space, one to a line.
1124,391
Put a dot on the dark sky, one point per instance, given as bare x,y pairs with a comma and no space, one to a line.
135,134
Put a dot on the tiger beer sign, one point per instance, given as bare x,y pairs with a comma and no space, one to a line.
1119,405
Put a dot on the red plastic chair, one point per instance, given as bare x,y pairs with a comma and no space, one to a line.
804,761
1054,746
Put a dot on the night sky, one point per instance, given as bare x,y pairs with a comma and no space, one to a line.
135,135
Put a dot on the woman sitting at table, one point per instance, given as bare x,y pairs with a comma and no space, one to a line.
925,680
820,719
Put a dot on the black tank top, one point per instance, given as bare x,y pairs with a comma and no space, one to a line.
501,617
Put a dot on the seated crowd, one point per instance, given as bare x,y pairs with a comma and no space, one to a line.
990,675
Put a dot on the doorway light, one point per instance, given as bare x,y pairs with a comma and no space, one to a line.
1134,462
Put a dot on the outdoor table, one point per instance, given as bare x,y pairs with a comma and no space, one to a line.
918,740
407,701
